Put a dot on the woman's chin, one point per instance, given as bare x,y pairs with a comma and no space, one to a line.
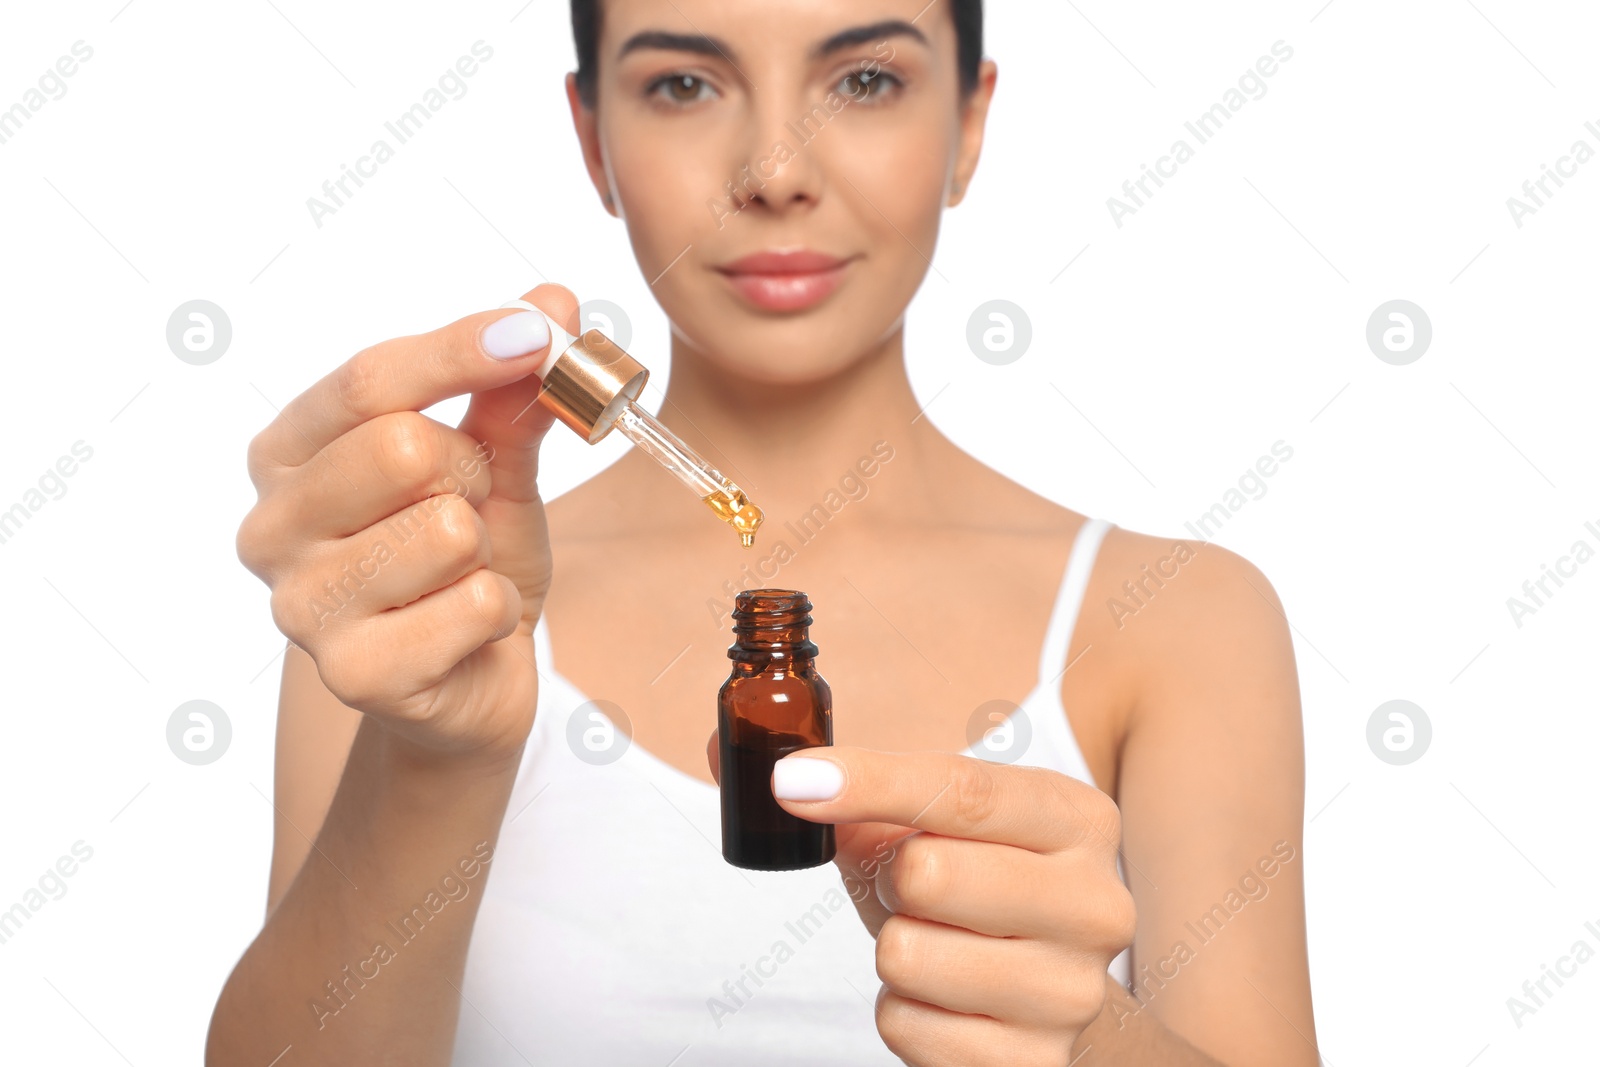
791,353
773,369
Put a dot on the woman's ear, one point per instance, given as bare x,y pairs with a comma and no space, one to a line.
584,122
973,117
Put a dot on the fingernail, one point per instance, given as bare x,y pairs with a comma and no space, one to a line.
516,335
806,778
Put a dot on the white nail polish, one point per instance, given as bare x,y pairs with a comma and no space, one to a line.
516,335
560,339
806,778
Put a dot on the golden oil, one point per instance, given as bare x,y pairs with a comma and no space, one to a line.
736,510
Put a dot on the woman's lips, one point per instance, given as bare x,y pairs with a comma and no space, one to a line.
786,290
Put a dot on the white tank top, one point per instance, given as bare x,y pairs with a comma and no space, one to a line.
611,930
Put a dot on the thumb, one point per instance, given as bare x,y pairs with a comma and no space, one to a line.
509,423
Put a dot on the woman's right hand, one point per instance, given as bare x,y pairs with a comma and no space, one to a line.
411,559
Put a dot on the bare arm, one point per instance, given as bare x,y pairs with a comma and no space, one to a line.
1126,1035
1211,786
366,947
314,735
408,563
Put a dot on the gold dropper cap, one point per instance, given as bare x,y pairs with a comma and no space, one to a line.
590,382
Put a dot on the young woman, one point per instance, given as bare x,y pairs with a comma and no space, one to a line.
453,881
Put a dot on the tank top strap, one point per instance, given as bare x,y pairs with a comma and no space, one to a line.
1069,599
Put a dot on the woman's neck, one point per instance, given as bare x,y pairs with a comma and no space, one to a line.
787,445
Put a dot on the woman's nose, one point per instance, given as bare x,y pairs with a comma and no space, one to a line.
782,164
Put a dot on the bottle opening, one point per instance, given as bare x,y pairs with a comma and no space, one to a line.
771,600
773,618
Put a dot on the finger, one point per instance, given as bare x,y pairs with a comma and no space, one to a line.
958,796
997,890
401,374
510,424
862,852
714,756
393,661
1014,979
376,470
400,560
926,1035
506,418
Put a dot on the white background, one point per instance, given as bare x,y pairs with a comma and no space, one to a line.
1228,313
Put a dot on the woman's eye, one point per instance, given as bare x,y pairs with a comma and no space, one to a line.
866,86
678,88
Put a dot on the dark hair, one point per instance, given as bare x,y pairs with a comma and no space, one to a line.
967,14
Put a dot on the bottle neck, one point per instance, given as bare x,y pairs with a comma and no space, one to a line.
772,626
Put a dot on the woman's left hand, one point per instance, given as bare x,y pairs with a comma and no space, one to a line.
992,891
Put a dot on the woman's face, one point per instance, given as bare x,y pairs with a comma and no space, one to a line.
725,130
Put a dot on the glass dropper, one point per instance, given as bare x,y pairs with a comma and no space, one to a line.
593,386
715,489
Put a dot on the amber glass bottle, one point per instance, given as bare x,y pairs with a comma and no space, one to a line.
772,704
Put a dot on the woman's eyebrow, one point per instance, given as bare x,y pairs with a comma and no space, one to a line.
862,34
700,44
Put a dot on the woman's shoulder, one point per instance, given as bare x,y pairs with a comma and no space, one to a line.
1174,617
1151,599
1127,553
1158,599
1174,636
1190,577
1171,583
